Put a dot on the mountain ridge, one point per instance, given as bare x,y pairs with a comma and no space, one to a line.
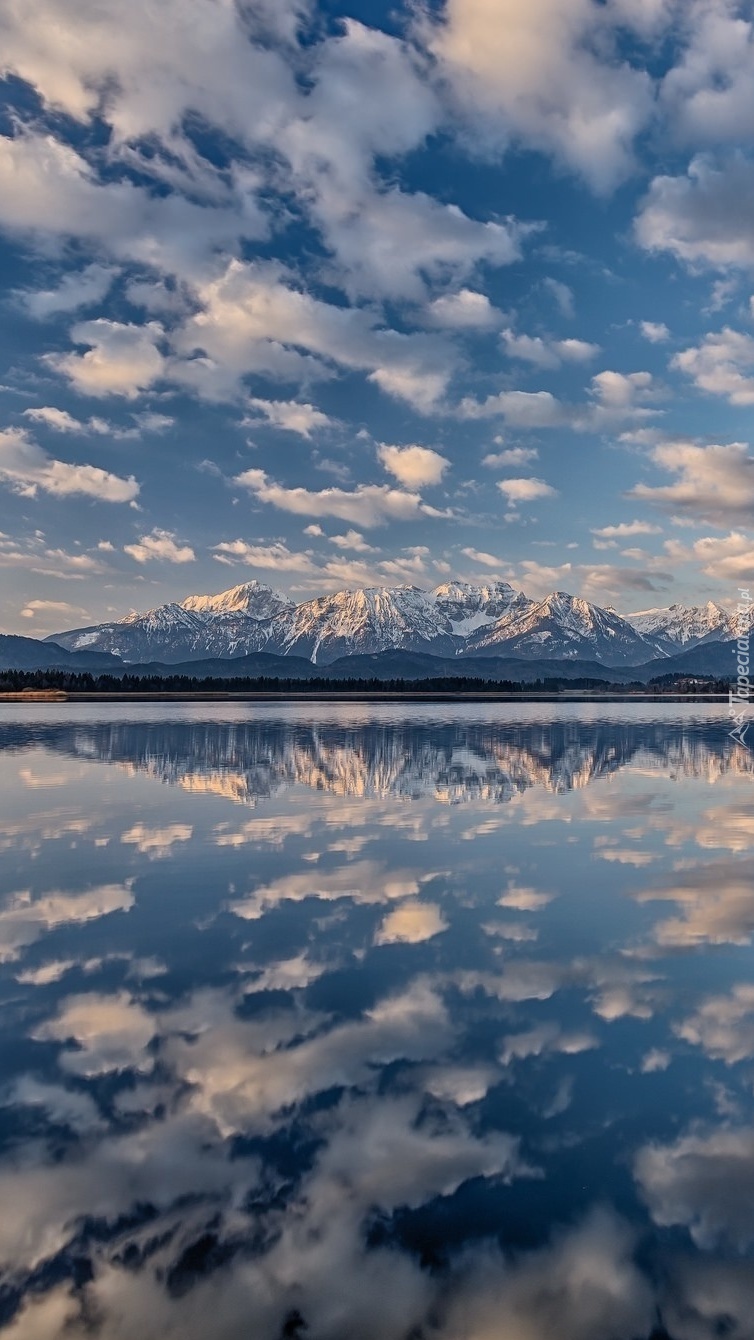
456,619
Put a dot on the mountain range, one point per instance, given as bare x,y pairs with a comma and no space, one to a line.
456,620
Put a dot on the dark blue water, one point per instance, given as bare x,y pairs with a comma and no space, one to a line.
373,1023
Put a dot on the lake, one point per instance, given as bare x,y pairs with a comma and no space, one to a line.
357,1022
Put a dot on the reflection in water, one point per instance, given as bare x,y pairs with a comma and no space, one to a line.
326,1023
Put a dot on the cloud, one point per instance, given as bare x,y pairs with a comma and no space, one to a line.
26,468
60,421
547,353
714,903
368,505
545,1038
720,365
290,415
275,556
464,310
411,923
76,289
354,541
705,217
525,490
626,529
478,556
654,331
511,456
252,321
616,398
728,558
157,842
24,919
529,74
704,1182
112,1033
56,609
715,483
413,467
162,545
122,359
562,294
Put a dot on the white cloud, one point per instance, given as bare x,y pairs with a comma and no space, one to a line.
479,556
625,529
83,288
251,320
290,415
277,557
562,294
26,469
722,364
511,456
715,484
703,1181
121,359
368,505
728,558
654,331
616,398
156,842
525,490
547,353
24,919
112,1032
56,609
162,545
531,74
413,466
465,310
411,923
706,217
354,541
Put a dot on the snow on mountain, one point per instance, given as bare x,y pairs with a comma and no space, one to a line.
564,627
254,599
455,619
371,620
469,608
677,626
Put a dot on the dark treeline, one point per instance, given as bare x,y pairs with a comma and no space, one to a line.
18,681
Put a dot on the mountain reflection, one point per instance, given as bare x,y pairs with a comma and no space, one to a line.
445,1034
246,760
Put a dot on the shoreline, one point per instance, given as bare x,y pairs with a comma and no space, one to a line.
568,695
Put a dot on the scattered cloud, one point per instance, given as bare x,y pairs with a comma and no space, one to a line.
414,467
27,469
161,545
290,415
715,483
368,505
654,331
525,490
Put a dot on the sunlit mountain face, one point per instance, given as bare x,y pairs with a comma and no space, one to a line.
325,1023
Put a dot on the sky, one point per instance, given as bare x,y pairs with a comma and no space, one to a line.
348,294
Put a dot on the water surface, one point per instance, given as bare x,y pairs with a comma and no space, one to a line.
374,1022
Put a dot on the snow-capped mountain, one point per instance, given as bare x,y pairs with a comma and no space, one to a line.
563,627
237,622
470,608
456,619
677,626
253,599
372,620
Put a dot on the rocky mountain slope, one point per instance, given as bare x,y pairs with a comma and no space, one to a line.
455,620
676,627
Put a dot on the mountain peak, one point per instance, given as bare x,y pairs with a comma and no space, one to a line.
255,599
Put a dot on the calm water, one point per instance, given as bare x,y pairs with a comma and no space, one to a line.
364,1023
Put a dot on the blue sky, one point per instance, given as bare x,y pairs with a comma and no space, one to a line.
352,294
